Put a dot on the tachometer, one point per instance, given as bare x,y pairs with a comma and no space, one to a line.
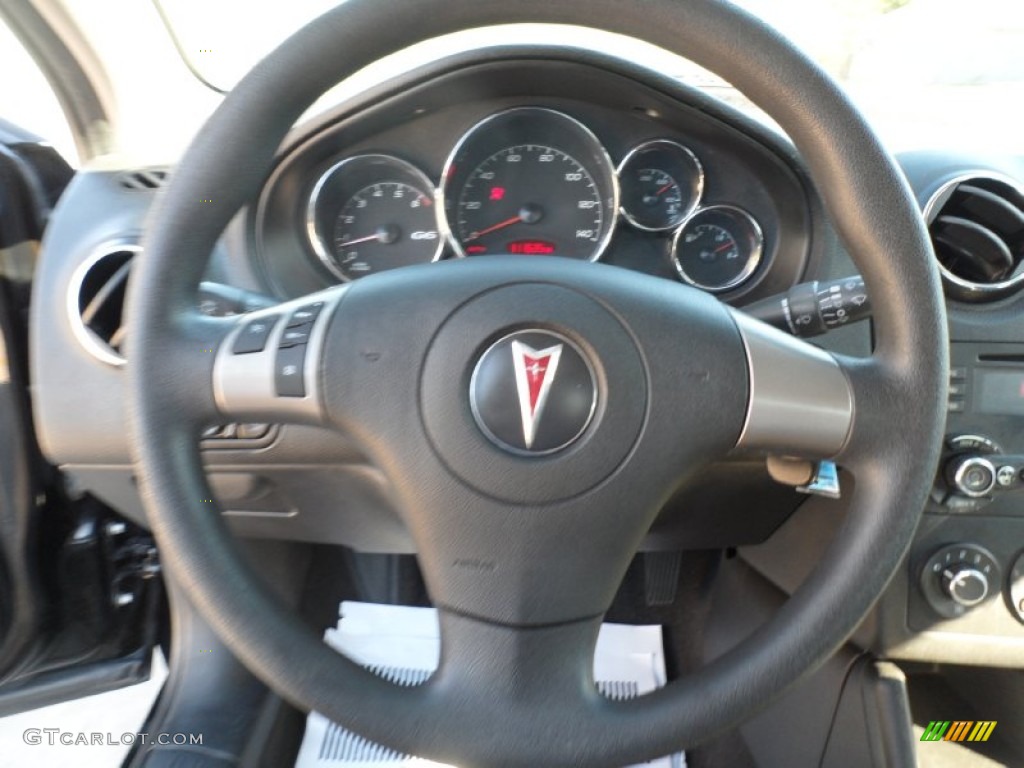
530,181
371,213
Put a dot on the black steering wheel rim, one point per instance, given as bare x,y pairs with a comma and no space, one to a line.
899,391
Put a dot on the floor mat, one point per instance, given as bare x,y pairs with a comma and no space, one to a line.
402,645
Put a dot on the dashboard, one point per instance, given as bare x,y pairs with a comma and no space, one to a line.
528,181
607,174
539,151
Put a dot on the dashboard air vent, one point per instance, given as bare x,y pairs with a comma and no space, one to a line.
96,300
977,227
150,178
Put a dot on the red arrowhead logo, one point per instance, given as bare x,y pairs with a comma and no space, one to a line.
535,372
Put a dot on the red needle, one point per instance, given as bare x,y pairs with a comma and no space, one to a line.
495,228
358,240
721,248
663,190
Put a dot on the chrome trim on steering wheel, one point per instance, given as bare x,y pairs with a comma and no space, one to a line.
800,400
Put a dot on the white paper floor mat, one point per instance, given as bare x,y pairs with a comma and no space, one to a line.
402,645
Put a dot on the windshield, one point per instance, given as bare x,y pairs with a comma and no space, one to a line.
931,72
928,73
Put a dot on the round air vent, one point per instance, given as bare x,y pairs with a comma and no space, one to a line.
977,227
96,300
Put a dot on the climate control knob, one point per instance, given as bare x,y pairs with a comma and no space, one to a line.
958,578
964,584
971,475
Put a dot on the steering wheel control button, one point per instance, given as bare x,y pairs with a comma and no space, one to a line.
971,476
533,393
289,375
293,336
306,314
958,578
254,335
279,382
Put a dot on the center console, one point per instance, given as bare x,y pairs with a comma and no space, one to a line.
969,556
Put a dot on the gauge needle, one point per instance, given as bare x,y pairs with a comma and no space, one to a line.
386,234
721,248
495,228
358,240
663,190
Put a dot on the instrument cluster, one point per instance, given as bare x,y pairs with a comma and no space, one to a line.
528,181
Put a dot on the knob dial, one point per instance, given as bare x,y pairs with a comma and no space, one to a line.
973,476
958,577
964,584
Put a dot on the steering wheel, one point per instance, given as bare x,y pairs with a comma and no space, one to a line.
523,544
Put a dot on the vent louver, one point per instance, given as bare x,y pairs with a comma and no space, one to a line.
146,179
96,300
977,228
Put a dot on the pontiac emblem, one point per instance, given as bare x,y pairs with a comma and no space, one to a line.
533,392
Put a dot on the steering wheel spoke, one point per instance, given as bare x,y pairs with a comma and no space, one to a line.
267,368
543,674
801,401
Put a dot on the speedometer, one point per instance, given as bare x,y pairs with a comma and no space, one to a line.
530,182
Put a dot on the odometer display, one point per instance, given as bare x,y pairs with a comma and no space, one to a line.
530,182
532,248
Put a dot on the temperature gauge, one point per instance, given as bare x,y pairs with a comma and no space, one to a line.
661,183
718,248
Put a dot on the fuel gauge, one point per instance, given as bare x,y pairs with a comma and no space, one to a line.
718,248
661,183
